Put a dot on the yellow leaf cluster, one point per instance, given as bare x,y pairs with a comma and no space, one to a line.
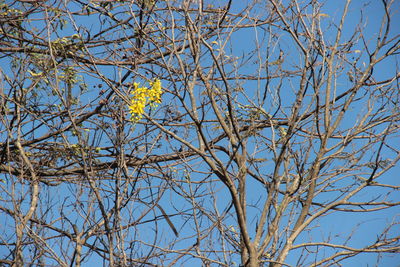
142,96
155,92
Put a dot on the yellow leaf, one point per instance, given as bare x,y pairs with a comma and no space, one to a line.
33,74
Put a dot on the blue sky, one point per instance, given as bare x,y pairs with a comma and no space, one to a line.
241,44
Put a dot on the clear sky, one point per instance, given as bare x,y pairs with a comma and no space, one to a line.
365,15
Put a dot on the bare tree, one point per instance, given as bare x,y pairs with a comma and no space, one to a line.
176,133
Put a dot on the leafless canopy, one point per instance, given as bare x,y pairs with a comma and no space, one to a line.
276,142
